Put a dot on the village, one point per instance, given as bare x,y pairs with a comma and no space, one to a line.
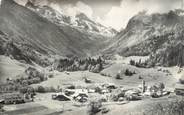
94,94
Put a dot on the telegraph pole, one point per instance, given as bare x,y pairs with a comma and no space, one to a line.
182,4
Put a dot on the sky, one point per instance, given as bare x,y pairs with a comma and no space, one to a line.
113,13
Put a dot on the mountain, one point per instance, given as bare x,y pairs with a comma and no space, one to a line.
157,35
84,22
80,21
28,29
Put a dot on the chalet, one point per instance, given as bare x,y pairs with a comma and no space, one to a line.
87,80
12,98
81,95
109,86
69,92
105,91
133,95
60,97
179,89
91,90
15,98
5,88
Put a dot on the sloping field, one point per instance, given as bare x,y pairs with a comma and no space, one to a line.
150,75
10,68
75,78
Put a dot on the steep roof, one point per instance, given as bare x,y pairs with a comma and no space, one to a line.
179,86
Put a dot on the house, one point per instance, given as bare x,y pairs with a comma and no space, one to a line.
179,89
12,98
91,90
69,92
4,88
81,95
109,86
87,80
132,95
60,97
104,91
1,101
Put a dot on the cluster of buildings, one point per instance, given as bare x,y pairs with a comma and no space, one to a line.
110,92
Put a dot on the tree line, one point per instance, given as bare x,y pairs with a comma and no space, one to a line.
76,64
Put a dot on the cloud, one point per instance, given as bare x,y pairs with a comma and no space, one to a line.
73,9
79,7
114,13
118,17
21,2
56,7
84,8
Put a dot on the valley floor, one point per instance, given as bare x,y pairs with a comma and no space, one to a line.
44,105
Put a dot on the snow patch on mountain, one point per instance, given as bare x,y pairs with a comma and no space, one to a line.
80,21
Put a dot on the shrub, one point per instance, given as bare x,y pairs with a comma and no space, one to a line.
128,72
87,80
94,107
103,74
41,89
36,80
132,62
28,90
23,90
51,76
140,77
41,76
161,86
1,107
71,87
118,76
181,81
97,68
98,90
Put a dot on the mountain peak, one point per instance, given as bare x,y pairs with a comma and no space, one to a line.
81,15
81,21
29,4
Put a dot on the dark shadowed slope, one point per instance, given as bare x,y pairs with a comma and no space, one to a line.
158,35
